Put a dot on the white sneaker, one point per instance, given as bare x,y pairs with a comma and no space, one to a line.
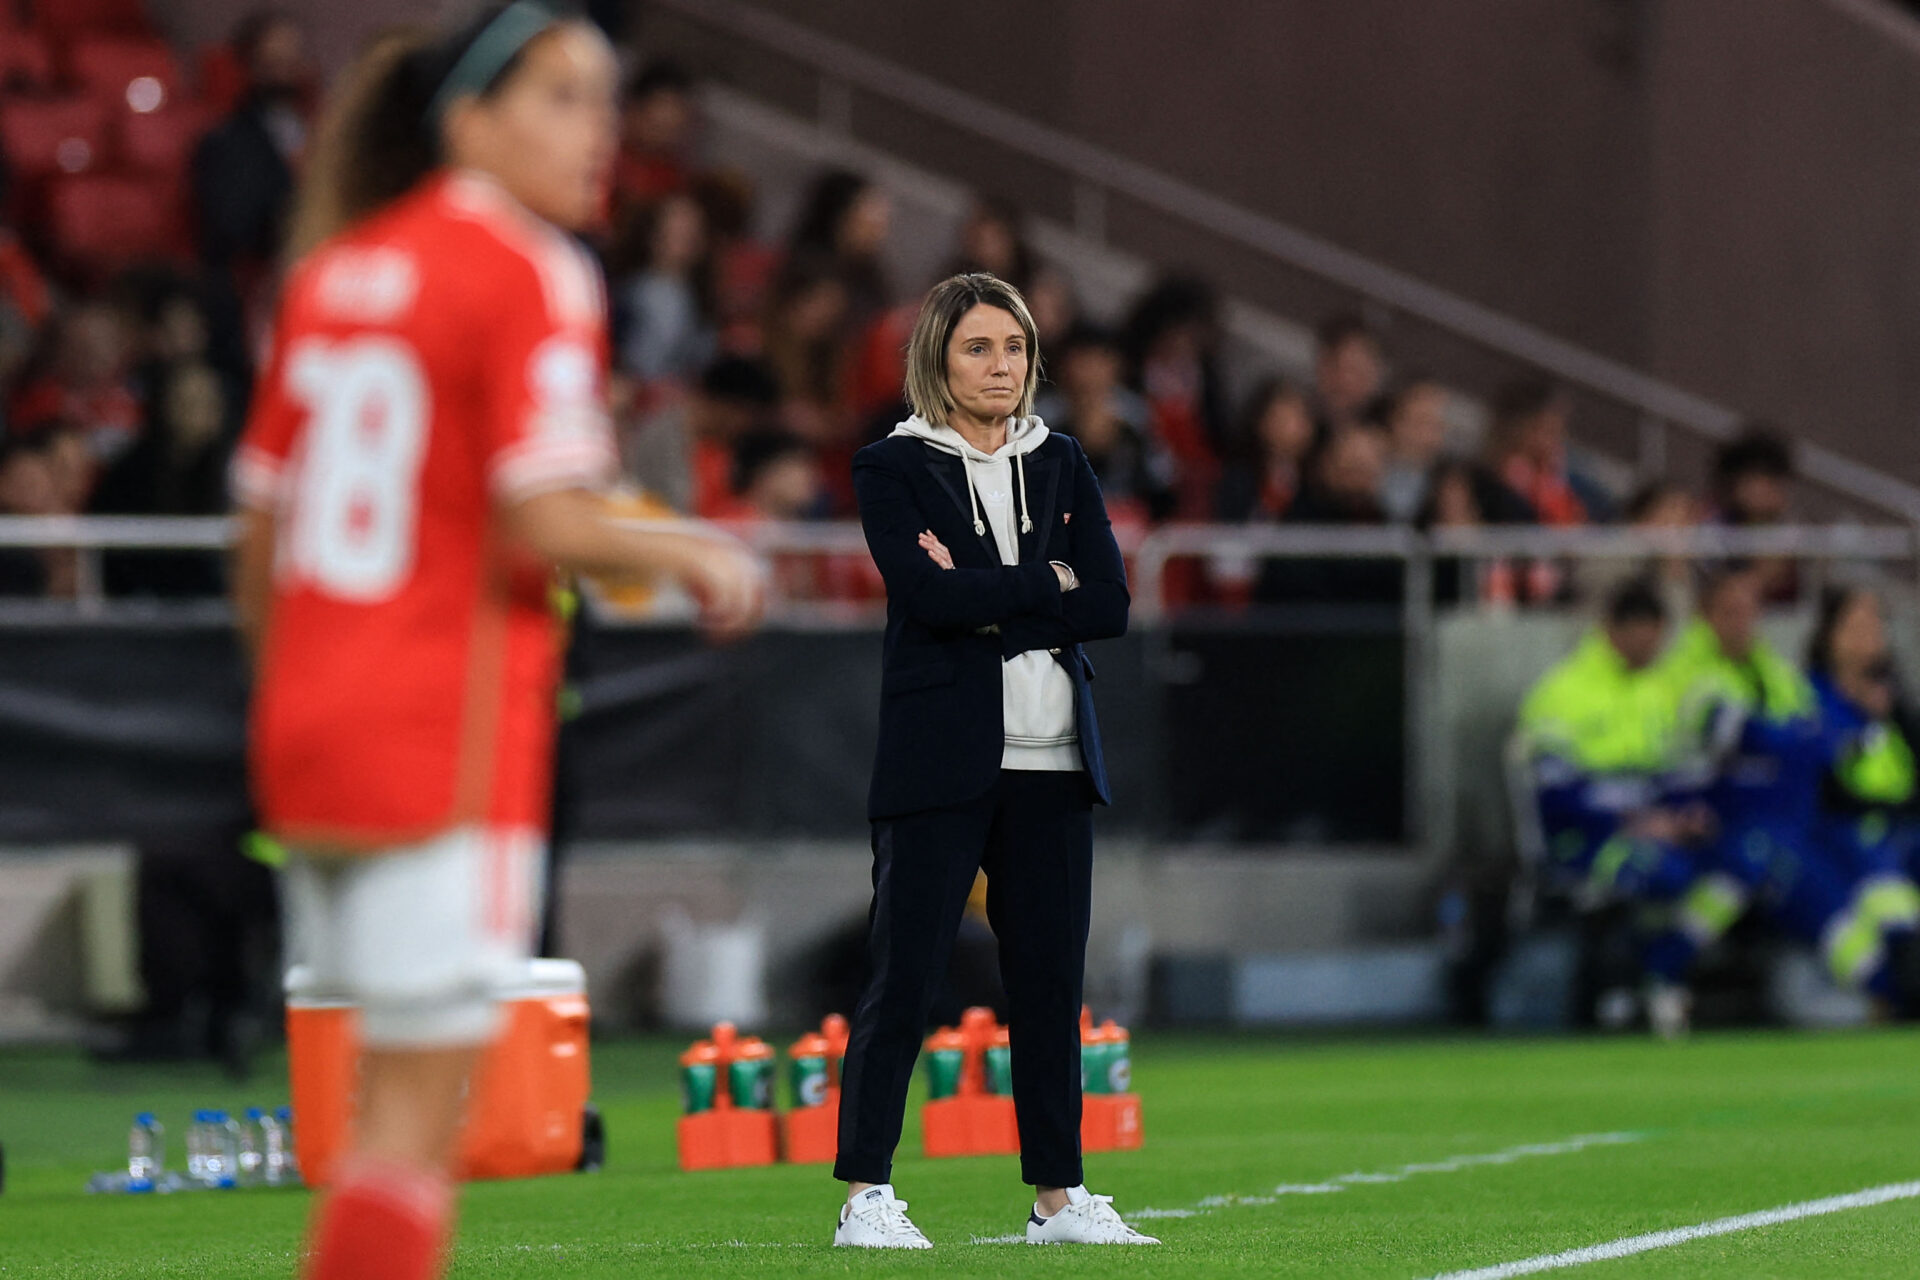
1087,1219
874,1219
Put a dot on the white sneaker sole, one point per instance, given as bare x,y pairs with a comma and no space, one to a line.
838,1243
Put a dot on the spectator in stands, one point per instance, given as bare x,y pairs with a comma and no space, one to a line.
1277,426
87,383
25,299
991,241
683,453
1753,477
803,343
665,292
1753,488
75,468
657,117
1349,369
1055,308
1341,487
1451,499
172,326
1090,403
178,468
1172,341
1415,420
1529,454
29,487
845,220
1659,505
1458,495
243,170
743,267
1343,480
775,477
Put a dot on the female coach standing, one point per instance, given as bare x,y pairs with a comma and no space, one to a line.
999,562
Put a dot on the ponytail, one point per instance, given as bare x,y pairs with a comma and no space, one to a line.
372,146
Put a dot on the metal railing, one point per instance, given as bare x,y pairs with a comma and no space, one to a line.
1096,173
1150,552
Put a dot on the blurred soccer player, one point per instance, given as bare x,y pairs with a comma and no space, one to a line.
424,449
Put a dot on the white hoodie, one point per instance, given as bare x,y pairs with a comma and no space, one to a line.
1036,695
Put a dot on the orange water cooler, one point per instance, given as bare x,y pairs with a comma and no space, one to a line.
527,1110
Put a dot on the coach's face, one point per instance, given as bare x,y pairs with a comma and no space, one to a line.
987,361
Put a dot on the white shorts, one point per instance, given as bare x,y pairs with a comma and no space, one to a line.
423,937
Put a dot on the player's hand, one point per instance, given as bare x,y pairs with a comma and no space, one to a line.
732,590
936,550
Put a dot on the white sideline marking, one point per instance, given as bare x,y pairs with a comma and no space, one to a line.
1631,1245
1452,1164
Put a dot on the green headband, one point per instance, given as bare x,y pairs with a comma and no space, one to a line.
496,45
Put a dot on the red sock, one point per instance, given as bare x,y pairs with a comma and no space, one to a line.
383,1220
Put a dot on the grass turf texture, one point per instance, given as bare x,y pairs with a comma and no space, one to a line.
1728,1123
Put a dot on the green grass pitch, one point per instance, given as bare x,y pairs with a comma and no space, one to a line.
1722,1125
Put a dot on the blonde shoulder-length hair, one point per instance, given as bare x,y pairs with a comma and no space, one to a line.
927,390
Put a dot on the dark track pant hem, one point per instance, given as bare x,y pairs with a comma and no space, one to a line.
1032,833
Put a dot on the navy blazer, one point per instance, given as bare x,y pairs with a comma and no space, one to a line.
949,630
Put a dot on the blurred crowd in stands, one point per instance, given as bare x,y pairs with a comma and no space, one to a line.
142,197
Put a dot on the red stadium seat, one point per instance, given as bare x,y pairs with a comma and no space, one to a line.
140,72
163,141
99,221
223,78
43,136
26,61
72,17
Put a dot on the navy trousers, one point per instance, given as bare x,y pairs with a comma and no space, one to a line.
1032,833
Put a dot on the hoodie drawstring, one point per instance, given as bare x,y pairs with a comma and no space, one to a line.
1026,512
956,444
973,495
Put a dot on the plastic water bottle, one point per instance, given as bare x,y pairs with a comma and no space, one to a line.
252,1154
291,1167
224,1161
276,1164
146,1152
200,1142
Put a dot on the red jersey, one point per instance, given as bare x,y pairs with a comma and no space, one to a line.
436,362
